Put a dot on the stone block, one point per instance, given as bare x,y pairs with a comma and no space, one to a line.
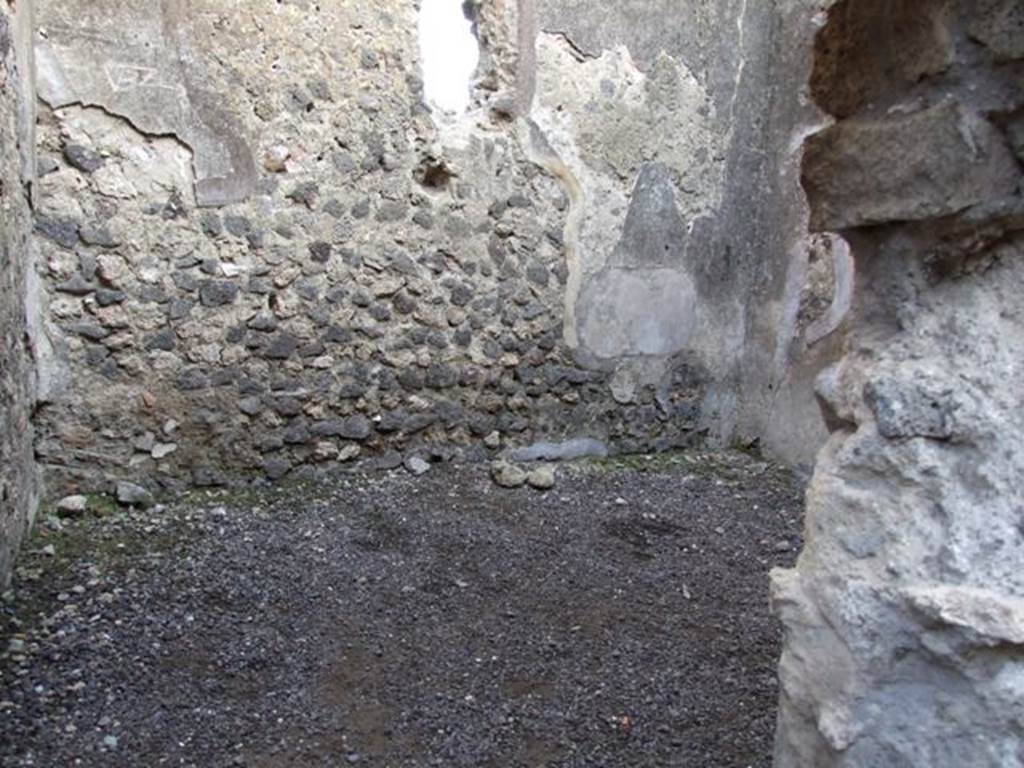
999,26
870,48
932,163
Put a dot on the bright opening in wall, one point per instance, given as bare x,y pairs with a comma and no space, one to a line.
450,54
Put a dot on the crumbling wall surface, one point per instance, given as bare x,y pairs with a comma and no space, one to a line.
633,111
905,614
801,284
140,62
263,254
18,479
671,126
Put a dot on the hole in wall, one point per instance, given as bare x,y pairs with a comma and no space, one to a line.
450,53
434,174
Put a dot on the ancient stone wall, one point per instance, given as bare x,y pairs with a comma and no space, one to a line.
905,615
265,255
350,285
18,480
676,130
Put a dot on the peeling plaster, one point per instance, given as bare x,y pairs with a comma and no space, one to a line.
542,153
582,103
144,67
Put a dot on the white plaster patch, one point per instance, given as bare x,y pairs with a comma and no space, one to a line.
607,101
638,312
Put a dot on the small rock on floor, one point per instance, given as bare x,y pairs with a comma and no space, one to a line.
417,466
73,505
134,495
508,475
163,450
542,478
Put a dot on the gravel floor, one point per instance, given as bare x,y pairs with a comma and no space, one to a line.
618,620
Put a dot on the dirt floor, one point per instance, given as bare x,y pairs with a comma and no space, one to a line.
618,620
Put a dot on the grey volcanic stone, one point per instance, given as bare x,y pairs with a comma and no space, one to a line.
461,295
99,236
390,422
542,478
281,347
287,406
134,495
905,409
392,211
192,379
566,451
211,224
62,231
180,308
356,427
863,172
76,285
107,297
404,304
386,461
417,422
276,467
264,321
320,252
441,376
165,340
239,226
82,158
508,475
250,406
297,433
73,505
361,209
91,331
217,293
416,465
306,194
205,477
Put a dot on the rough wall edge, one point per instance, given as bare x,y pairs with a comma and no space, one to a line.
904,614
210,121
22,54
781,409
